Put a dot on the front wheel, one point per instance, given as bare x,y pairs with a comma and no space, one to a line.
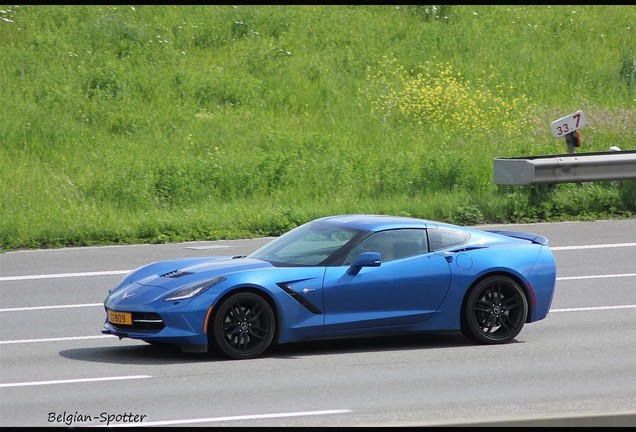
495,311
243,326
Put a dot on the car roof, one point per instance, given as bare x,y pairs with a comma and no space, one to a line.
376,222
373,222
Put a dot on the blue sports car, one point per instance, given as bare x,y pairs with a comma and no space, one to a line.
348,275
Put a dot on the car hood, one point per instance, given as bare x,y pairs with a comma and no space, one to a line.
174,274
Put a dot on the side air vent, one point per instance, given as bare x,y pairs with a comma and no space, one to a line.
175,274
300,299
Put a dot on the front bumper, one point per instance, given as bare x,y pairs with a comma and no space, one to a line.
176,327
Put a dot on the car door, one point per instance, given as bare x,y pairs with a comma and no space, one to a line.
401,291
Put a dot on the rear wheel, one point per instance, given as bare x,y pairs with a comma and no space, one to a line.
243,326
495,311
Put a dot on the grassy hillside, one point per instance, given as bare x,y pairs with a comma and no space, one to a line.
129,124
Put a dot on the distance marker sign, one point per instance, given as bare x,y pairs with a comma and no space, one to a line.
568,124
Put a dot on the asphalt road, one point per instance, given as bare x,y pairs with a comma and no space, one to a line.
576,367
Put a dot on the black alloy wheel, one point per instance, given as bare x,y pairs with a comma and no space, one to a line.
243,326
495,311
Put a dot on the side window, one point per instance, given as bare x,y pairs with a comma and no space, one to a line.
442,239
392,244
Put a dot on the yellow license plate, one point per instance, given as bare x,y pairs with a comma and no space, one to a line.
120,318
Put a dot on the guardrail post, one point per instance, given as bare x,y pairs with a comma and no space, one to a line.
616,149
573,140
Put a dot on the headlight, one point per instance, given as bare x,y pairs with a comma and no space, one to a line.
194,290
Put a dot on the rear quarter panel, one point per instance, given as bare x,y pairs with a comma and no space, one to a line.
532,264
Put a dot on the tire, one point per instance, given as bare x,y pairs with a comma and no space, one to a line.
495,311
243,326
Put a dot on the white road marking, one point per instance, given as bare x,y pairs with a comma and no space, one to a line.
593,308
231,418
208,247
64,275
597,276
58,339
73,381
601,246
20,309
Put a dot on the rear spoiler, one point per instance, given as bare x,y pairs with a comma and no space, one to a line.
534,238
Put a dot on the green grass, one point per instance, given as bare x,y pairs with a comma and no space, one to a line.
153,124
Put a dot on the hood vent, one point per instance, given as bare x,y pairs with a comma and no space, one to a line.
175,274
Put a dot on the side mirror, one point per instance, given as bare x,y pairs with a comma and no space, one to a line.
365,259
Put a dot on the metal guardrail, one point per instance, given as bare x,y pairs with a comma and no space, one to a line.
565,168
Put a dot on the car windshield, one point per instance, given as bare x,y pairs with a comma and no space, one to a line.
307,245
